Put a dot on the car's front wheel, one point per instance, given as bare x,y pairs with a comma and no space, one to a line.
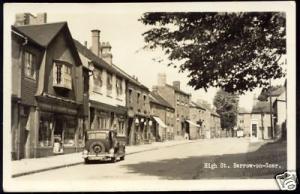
122,158
113,159
86,161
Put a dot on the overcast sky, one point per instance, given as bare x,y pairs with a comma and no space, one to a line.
120,26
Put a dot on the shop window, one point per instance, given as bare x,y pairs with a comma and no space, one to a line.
80,136
30,65
62,75
119,87
109,84
45,133
121,127
97,77
69,132
102,123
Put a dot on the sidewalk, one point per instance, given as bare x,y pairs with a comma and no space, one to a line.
34,165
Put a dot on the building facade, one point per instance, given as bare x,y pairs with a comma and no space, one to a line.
178,99
260,127
280,114
106,88
47,116
244,122
215,126
138,104
162,114
196,120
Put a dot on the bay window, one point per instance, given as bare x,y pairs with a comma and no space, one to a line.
62,75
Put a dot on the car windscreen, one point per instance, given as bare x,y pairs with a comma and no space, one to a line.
97,135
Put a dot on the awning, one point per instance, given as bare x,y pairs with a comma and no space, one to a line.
160,122
192,123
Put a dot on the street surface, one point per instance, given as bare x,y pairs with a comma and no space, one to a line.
196,160
180,162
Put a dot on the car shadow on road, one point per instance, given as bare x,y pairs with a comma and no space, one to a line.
194,167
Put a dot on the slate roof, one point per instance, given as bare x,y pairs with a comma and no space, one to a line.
41,34
44,34
278,91
242,110
261,107
103,64
179,91
194,104
156,98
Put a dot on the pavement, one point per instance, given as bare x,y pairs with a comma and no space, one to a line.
35,165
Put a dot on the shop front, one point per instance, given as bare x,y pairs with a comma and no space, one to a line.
104,116
161,128
60,128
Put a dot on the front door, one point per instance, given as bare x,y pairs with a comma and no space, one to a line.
254,131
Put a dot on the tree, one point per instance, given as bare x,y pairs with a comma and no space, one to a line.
227,107
236,51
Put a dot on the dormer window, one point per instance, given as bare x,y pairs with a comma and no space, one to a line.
62,77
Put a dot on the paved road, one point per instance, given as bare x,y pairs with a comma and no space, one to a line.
180,162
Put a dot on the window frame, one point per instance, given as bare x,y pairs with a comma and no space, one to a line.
65,74
33,65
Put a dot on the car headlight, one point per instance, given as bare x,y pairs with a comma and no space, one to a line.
111,151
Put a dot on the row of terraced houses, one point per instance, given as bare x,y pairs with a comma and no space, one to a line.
61,88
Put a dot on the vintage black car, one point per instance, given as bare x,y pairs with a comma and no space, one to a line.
104,145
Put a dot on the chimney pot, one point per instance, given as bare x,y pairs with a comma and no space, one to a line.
176,84
96,42
162,79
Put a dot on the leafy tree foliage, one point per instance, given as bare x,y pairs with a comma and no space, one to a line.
227,107
236,51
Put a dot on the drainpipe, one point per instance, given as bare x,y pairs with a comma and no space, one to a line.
24,37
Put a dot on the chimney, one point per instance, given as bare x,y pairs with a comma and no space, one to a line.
29,19
95,42
22,19
176,84
106,52
41,18
162,79
85,44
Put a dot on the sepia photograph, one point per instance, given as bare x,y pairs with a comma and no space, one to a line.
149,96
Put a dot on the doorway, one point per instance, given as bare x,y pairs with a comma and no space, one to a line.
254,134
